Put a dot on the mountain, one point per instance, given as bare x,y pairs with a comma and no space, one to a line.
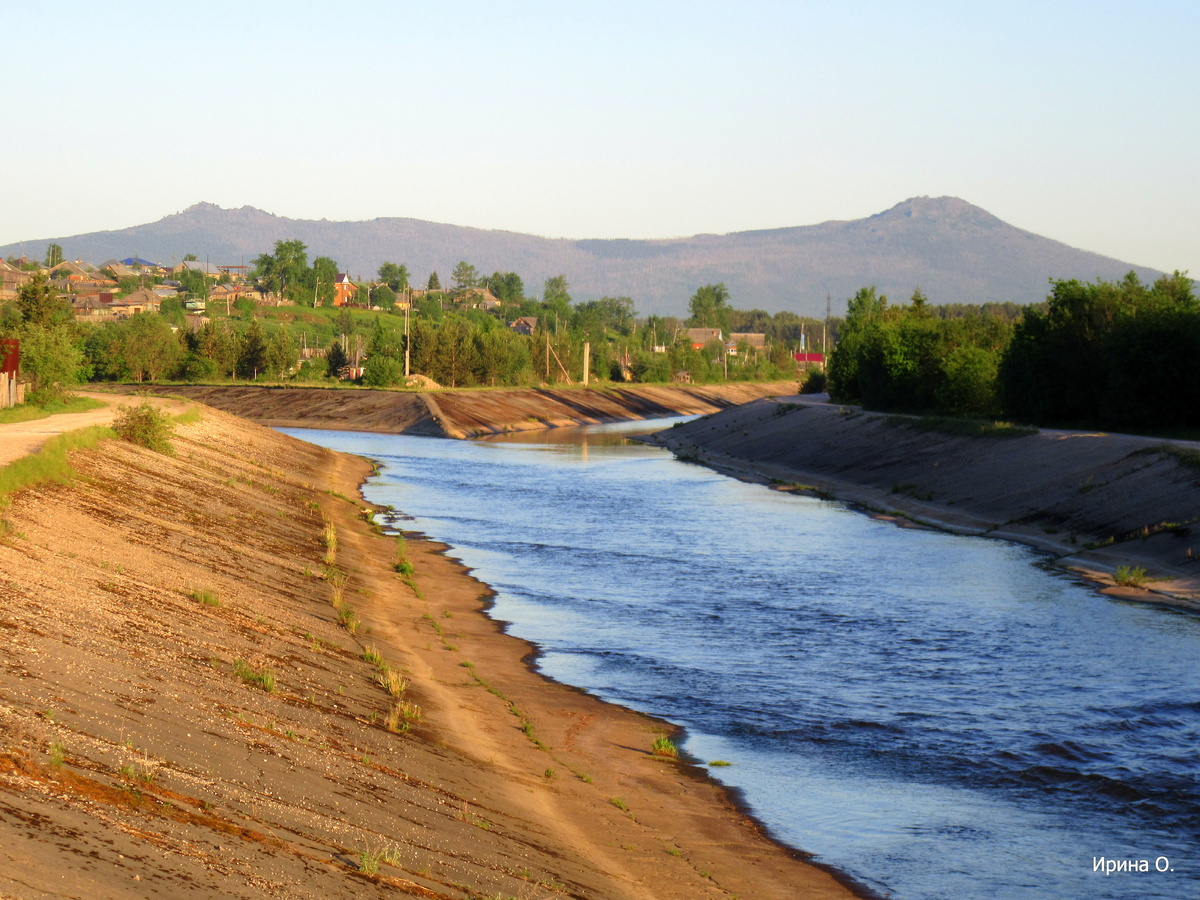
955,252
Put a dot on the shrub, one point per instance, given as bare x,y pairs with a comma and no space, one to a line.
145,426
815,382
1130,576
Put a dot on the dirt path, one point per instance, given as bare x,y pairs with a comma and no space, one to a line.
22,438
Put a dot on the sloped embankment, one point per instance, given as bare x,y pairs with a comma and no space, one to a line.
468,413
1096,501
213,682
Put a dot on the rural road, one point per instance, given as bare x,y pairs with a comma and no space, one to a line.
22,438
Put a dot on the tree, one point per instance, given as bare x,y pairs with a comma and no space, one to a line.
40,305
325,273
465,276
336,359
434,283
395,276
253,359
283,272
281,355
54,255
383,296
191,257
507,286
710,308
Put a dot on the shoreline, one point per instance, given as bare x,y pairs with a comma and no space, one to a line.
196,697
840,454
691,767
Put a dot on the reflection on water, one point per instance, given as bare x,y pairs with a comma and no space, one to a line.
937,715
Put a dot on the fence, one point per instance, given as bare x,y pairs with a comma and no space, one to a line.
12,392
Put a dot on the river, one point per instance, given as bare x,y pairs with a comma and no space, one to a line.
938,716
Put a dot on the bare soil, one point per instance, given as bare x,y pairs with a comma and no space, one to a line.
1093,501
142,607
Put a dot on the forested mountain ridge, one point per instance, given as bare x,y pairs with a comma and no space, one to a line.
954,251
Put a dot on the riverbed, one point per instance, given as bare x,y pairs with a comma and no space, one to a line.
938,716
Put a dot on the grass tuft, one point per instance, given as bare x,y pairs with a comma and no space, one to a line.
262,678
664,747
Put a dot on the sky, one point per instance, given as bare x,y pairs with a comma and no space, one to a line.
1077,121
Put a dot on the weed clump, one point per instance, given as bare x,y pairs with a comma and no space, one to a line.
146,426
1130,576
262,678
664,747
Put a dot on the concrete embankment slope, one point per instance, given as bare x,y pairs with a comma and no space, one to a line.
1095,501
468,413
214,683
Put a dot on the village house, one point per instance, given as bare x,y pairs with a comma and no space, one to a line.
698,337
524,325
753,340
345,291
11,279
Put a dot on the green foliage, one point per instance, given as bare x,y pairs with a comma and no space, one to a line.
893,358
54,255
52,462
1130,576
140,348
40,305
145,425
663,746
710,308
464,276
815,382
395,276
1111,354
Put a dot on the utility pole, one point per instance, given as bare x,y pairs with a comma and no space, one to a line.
825,335
407,341
587,356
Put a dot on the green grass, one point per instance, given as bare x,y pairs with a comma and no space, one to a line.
978,428
664,747
28,412
719,763
208,598
51,463
1182,455
262,678
618,803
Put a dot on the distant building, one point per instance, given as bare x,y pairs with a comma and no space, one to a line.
12,278
751,339
345,291
698,337
810,359
524,325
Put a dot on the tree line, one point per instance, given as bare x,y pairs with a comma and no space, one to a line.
1104,354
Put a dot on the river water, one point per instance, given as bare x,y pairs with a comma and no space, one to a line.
938,716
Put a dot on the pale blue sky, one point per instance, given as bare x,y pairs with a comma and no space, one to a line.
1077,121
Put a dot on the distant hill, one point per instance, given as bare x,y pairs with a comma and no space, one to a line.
956,253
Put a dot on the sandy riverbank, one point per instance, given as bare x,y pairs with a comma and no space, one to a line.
143,606
1092,501
464,413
